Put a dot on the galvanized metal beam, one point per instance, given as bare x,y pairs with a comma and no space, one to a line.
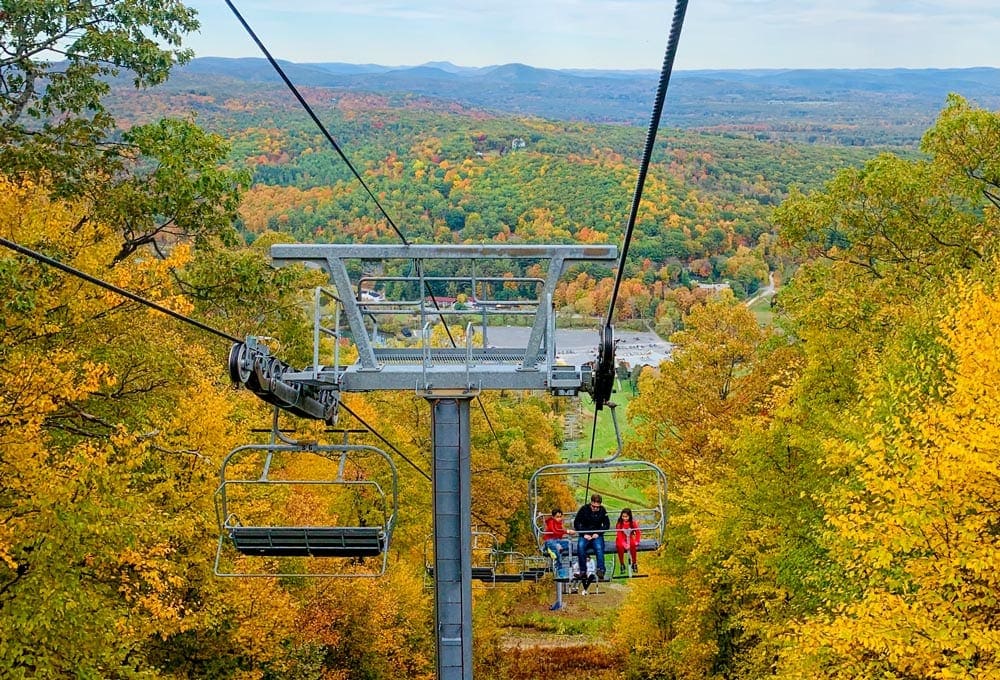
452,479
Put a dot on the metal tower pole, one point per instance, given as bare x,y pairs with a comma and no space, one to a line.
452,478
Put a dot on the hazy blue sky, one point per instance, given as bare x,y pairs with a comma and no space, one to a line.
612,33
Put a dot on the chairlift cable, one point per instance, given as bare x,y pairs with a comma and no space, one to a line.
603,382
401,454
489,422
604,369
326,133
593,438
451,338
654,124
315,118
385,441
114,289
603,374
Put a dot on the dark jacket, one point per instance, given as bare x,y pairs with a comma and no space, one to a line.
588,520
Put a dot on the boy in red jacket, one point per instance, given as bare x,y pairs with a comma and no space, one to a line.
554,537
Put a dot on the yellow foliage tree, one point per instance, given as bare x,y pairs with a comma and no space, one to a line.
113,420
917,534
718,375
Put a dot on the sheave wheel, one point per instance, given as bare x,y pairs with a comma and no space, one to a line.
241,367
604,372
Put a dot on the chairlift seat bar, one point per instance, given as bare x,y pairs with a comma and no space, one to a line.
478,573
644,545
508,578
483,573
309,541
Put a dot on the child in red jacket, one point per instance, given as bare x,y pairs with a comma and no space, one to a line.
627,536
554,537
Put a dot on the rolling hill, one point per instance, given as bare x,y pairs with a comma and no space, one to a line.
861,107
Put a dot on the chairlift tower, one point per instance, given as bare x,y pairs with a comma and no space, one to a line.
448,378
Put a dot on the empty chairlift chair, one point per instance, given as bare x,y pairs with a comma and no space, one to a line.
490,565
281,501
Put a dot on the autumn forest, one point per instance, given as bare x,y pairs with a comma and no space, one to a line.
833,463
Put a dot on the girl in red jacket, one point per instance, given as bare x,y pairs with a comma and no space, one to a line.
627,537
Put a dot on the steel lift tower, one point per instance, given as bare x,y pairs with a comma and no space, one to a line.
449,378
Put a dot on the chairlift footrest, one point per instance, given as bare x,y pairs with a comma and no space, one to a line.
508,578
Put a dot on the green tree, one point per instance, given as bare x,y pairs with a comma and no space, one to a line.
724,374
717,375
158,182
890,370
54,71
172,188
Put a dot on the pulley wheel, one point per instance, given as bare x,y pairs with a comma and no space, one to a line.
604,372
240,369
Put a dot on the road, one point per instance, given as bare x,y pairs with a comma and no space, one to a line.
766,291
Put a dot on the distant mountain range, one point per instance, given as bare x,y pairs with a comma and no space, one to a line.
857,99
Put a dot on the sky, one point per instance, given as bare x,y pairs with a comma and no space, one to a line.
616,34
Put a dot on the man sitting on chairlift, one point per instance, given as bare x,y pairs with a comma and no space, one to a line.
590,522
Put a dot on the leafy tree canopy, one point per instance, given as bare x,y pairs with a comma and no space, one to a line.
53,75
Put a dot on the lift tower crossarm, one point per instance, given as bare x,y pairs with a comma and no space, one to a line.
438,368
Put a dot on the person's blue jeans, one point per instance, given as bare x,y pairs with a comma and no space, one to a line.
558,546
581,550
